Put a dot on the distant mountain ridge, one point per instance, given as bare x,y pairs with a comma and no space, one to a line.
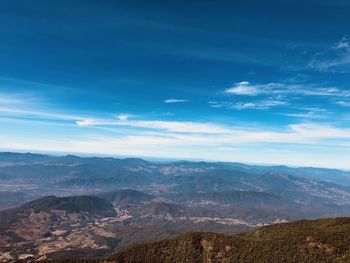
307,172
63,175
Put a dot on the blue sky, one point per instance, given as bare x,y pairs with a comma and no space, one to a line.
249,81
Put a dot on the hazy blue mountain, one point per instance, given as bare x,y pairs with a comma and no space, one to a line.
38,175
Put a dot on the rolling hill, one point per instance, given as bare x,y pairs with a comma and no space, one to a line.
70,204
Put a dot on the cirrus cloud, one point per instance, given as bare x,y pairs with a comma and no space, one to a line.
174,100
273,88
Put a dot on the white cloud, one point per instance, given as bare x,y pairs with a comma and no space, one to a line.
199,132
174,100
123,117
259,105
244,88
244,105
181,127
342,44
334,58
309,113
26,105
89,122
10,100
38,114
285,89
171,126
311,130
343,103
194,140
256,105
130,136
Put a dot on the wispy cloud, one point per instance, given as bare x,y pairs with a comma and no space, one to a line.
123,117
244,88
344,43
6,100
261,105
334,58
42,114
28,106
248,89
254,105
195,131
312,130
174,100
343,103
307,113
170,126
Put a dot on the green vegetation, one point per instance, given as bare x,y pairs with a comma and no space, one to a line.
325,240
90,204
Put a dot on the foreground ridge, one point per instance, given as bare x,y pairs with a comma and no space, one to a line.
324,240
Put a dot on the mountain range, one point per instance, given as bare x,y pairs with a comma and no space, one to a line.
56,207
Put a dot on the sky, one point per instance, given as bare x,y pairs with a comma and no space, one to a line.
246,81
